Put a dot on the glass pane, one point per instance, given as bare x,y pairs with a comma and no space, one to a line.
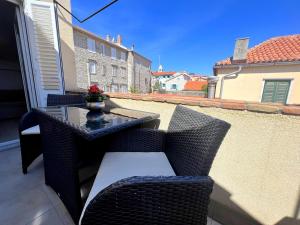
86,120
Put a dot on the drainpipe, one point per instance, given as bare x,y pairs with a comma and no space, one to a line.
228,75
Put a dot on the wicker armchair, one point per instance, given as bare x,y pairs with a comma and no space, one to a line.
189,147
54,100
29,134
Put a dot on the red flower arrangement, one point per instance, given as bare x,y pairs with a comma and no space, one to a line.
95,94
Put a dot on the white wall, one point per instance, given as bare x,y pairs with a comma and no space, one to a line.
180,81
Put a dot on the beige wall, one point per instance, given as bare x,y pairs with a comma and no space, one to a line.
249,85
67,45
257,168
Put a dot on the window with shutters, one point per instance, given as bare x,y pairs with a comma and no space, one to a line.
45,51
276,91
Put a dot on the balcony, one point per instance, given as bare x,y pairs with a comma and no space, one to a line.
256,170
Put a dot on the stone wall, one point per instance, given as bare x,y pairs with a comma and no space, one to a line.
82,57
141,78
256,170
136,75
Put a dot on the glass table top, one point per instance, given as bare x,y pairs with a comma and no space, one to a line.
92,121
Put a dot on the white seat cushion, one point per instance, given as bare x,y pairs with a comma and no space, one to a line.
31,130
119,165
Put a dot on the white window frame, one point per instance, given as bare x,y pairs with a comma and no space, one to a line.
290,88
91,45
94,64
113,53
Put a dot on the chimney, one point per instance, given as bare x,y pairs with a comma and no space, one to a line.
107,37
240,51
119,39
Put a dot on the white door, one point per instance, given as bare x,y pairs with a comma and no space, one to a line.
45,51
24,59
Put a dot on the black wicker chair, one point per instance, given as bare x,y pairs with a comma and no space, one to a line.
31,143
190,145
54,100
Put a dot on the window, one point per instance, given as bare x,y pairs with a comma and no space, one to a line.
92,67
123,72
95,83
114,70
103,70
114,88
113,53
124,89
163,85
91,44
174,87
102,46
123,56
276,91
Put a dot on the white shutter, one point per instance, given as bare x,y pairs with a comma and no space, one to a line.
43,36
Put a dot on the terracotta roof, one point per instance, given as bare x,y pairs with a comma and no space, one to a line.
162,73
194,85
277,49
198,75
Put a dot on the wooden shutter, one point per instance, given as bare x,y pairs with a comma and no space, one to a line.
282,90
269,90
276,91
45,48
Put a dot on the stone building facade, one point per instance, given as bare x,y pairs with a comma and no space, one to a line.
109,64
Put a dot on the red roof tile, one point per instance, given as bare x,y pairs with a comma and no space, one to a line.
162,73
194,85
277,49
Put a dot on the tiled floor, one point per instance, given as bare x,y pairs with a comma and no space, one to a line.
25,199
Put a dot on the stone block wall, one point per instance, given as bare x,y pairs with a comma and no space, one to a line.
105,79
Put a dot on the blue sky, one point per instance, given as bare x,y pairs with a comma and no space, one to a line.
190,35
